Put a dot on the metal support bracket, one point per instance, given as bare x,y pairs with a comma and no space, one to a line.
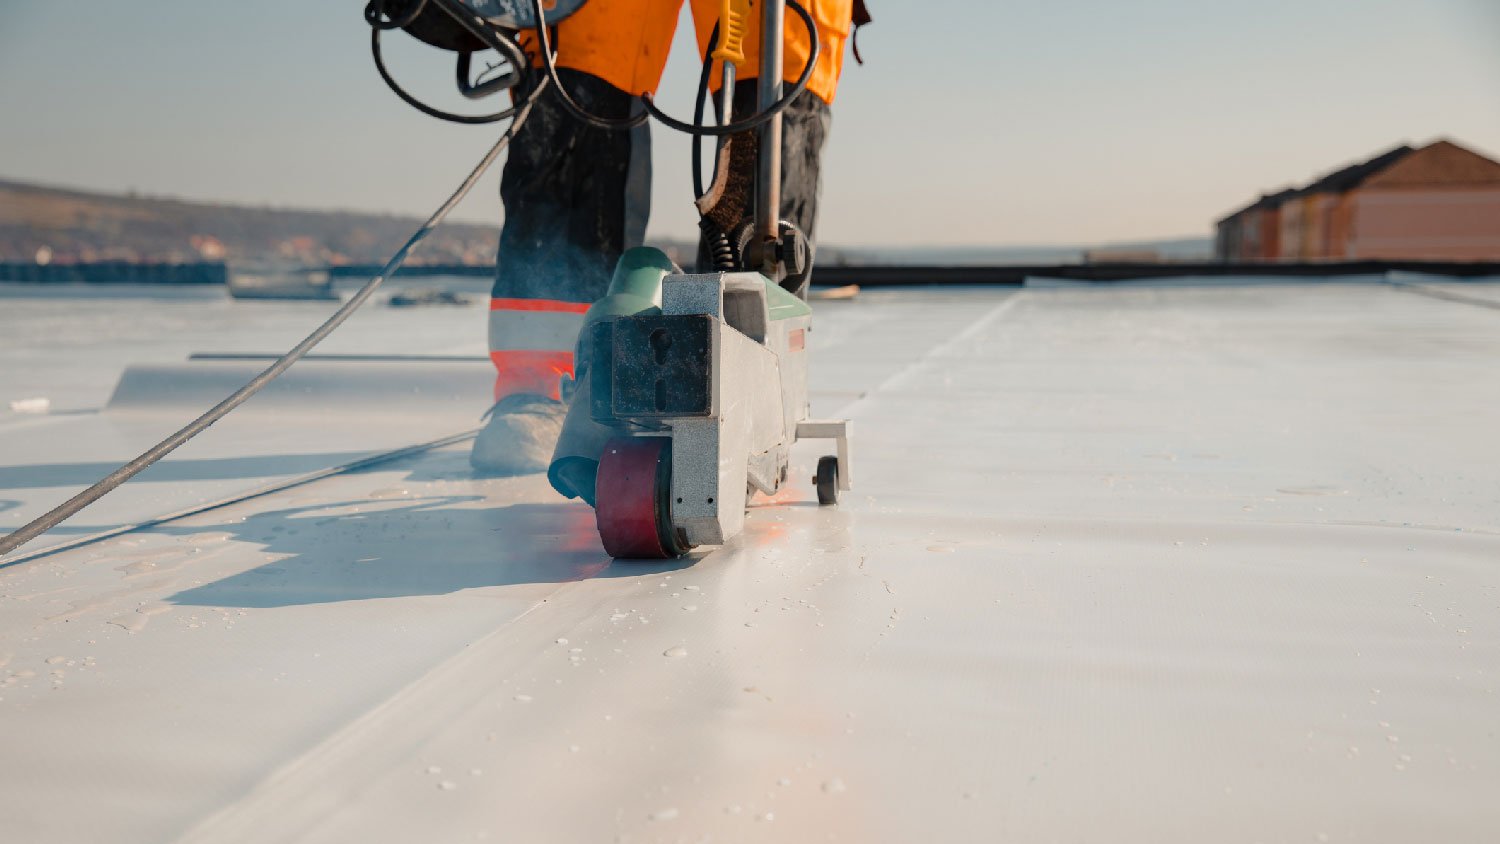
830,429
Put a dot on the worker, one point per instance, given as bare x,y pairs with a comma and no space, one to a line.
577,196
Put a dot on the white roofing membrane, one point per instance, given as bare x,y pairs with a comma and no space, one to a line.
1126,563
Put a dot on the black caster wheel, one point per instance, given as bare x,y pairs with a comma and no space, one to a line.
827,480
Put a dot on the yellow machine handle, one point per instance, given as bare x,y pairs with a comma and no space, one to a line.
733,15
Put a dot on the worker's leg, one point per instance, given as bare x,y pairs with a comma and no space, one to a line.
575,197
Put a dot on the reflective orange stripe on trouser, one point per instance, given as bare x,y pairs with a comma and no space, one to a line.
625,42
531,344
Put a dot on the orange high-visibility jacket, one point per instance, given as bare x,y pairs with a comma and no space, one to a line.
625,42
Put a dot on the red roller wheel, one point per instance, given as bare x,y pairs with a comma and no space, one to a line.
632,503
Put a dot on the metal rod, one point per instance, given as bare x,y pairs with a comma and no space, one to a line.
768,165
726,96
726,111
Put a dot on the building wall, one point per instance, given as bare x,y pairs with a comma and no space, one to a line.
1315,210
1303,227
1439,202
1340,226
1227,239
1250,235
1444,223
1270,235
1289,230
1259,234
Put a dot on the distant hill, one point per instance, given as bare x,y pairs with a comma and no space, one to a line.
75,225
68,225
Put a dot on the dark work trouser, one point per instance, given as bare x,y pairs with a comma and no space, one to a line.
576,197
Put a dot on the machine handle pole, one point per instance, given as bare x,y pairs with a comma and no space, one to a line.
768,165
726,96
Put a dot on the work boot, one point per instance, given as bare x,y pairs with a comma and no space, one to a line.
519,436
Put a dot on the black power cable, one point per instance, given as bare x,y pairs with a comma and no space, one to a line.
722,254
698,107
476,25
390,81
52,518
771,111
375,15
549,63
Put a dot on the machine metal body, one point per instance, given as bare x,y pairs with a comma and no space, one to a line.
720,372
707,393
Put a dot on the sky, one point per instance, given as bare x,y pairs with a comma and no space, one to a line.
996,122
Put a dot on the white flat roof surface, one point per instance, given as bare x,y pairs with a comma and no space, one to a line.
1122,563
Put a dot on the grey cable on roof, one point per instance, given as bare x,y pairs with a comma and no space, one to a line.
57,515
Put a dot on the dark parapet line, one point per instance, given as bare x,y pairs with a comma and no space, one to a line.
115,272
830,275
1016,274
904,275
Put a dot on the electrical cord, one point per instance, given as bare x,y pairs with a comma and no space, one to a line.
485,34
68,508
390,81
722,253
512,53
549,63
375,15
771,111
699,104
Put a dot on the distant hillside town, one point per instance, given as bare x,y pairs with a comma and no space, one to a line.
55,233
55,225
1440,202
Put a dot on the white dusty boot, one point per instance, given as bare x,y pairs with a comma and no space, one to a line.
519,437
